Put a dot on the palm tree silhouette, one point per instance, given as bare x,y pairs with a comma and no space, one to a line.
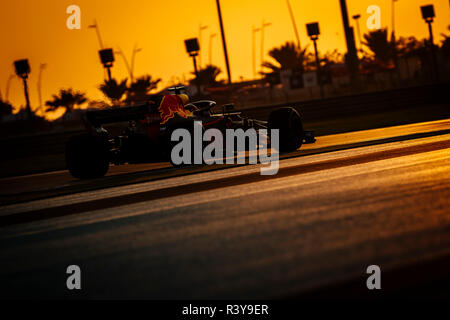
208,76
407,47
5,108
141,88
445,48
382,49
287,56
114,90
66,98
327,61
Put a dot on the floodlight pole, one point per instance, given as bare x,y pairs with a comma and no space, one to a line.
133,59
200,30
254,30
97,30
224,43
27,97
41,68
350,39
8,84
108,69
197,77
127,65
319,73
430,30
211,37
263,26
433,53
356,17
293,23
393,16
393,38
428,15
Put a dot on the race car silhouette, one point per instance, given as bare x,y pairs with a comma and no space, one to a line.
147,137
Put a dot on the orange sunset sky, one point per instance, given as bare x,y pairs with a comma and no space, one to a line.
36,29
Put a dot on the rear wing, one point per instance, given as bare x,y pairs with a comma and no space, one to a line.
96,118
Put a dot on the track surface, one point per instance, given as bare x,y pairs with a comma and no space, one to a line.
235,234
22,188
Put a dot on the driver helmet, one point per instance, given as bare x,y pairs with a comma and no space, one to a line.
184,98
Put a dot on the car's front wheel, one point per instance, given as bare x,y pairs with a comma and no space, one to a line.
288,122
87,156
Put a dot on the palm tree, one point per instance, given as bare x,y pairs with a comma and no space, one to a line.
333,57
287,56
407,47
141,88
445,48
382,49
114,90
5,108
66,98
208,76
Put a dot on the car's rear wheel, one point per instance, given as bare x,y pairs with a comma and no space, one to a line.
87,156
288,122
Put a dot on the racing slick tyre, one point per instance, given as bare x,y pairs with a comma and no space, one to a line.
288,121
87,156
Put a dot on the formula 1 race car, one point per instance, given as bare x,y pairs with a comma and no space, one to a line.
147,137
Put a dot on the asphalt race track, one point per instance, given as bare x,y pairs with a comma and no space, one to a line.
375,197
